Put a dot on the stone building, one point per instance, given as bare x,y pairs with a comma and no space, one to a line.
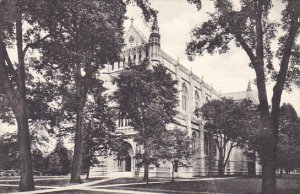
193,93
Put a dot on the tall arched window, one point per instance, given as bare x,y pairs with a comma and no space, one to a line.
194,135
206,143
197,100
184,97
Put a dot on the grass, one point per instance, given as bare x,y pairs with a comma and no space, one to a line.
10,189
285,185
47,181
238,185
131,180
79,192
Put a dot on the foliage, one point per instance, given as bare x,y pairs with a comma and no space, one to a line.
231,123
100,138
59,160
84,36
13,14
256,34
9,152
177,148
289,135
73,28
148,97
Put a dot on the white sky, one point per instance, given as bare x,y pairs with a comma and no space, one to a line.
227,72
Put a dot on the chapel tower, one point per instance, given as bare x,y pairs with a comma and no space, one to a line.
154,43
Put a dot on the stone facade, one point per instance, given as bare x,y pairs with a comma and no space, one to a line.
193,92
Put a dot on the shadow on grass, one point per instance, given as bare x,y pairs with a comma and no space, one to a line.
238,185
10,189
48,182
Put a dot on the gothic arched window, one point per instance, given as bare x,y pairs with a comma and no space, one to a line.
184,97
206,143
194,135
197,100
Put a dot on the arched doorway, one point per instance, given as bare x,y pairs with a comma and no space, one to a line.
128,163
125,158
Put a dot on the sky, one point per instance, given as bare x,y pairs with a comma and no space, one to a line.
228,72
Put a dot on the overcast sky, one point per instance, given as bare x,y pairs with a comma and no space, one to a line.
227,72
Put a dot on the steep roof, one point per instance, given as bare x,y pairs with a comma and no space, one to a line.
252,95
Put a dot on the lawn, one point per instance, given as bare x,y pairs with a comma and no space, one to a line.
79,192
236,185
39,181
47,181
10,189
131,180
286,185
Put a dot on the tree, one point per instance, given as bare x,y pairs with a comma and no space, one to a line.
289,134
100,137
57,22
13,79
38,160
230,123
92,37
148,97
254,35
177,148
85,35
9,151
59,161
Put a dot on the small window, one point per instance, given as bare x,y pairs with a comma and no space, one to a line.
207,99
140,56
121,123
119,162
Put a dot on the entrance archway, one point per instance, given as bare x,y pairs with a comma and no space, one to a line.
125,158
128,164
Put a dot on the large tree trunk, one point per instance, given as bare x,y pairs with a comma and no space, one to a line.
77,158
146,172
173,169
146,162
88,172
221,167
252,164
268,175
88,167
17,101
268,158
26,182
81,97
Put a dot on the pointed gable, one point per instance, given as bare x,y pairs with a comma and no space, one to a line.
133,38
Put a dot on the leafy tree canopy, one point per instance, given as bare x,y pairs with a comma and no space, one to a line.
216,34
231,123
289,138
148,97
